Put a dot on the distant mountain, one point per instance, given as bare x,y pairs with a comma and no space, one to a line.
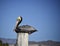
9,41
41,43
49,43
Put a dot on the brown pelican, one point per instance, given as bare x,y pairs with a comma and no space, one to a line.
25,28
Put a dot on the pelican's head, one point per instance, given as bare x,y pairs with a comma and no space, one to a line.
19,18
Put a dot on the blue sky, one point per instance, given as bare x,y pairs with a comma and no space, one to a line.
44,15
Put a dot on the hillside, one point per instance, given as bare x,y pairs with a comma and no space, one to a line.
41,43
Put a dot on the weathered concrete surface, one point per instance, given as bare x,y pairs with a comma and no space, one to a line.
22,39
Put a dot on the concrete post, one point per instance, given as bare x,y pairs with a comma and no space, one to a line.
22,39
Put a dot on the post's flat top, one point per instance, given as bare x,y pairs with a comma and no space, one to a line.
25,29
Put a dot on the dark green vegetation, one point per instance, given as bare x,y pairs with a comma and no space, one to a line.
3,44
